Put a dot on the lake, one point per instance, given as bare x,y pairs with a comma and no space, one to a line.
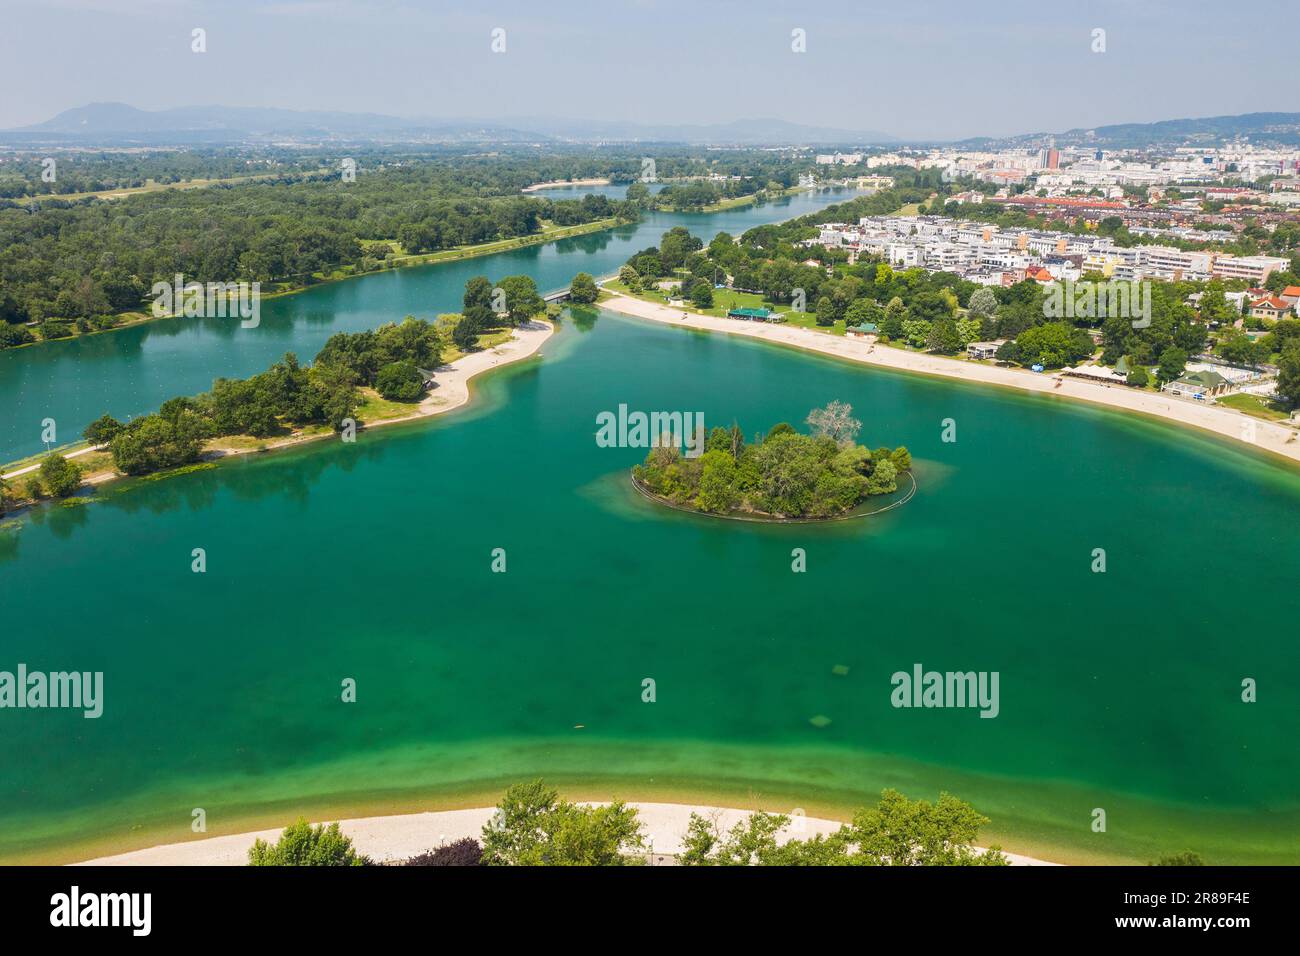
1119,691
132,371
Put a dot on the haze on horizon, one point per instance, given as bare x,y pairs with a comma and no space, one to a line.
946,71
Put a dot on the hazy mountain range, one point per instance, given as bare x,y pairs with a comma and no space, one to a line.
120,124
1273,127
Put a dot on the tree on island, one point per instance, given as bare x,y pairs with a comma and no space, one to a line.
896,832
583,289
786,474
836,422
305,845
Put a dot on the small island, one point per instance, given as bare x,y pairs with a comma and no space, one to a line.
783,475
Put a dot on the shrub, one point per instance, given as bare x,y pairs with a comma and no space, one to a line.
305,845
464,852
13,335
1186,858
51,329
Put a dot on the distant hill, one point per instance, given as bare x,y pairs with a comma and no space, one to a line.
743,132
1258,127
119,122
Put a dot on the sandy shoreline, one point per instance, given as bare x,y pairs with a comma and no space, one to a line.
1272,437
555,183
451,384
451,391
403,835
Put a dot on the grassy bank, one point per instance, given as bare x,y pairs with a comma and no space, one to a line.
1254,405
271,290
374,410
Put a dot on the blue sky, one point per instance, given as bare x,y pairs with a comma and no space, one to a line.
917,69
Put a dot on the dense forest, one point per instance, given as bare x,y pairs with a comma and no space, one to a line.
68,266
784,474
66,172
95,258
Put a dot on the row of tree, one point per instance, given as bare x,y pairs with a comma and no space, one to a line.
82,263
534,826
396,360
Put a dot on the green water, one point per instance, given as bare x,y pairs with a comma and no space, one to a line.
372,561
132,371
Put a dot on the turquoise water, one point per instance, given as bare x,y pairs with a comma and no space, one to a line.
132,371
372,561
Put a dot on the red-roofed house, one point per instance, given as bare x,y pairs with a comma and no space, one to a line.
1270,307
1291,293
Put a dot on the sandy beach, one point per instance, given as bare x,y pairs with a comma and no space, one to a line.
1278,439
450,391
404,835
598,181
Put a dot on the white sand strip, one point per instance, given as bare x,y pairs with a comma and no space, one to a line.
1279,438
404,835
595,181
450,391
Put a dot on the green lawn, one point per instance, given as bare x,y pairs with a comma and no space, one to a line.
727,299
36,459
1253,405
